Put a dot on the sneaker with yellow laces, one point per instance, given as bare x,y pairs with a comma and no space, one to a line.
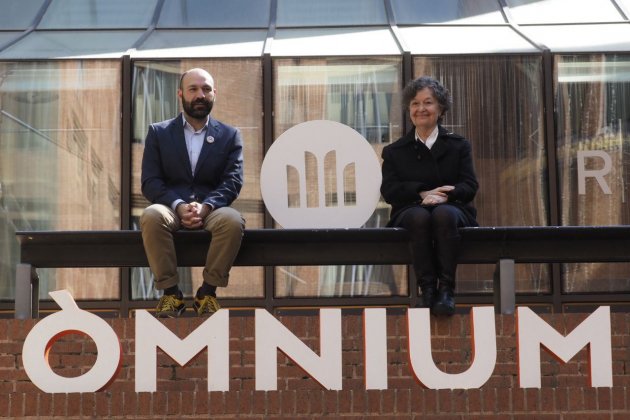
170,306
206,305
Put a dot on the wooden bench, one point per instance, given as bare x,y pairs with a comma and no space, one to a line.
503,246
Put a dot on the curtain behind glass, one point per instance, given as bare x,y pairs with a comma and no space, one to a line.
238,103
360,93
59,163
593,114
498,106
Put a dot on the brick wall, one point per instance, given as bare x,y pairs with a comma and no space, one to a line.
565,392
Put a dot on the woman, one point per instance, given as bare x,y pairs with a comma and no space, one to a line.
429,180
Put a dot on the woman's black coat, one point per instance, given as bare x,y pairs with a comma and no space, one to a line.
410,167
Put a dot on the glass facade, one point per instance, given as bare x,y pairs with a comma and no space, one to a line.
540,88
60,162
593,149
238,103
507,136
360,93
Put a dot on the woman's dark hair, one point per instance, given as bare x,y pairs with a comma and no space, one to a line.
442,94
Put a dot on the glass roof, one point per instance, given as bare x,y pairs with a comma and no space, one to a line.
202,43
625,4
19,14
8,36
480,12
91,14
188,14
247,28
337,41
582,38
72,44
563,11
298,13
465,40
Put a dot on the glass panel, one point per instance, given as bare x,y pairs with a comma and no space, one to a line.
19,14
363,94
464,40
330,13
215,14
155,86
413,12
581,38
78,44
330,42
59,163
98,14
497,105
7,37
625,4
562,11
593,135
200,43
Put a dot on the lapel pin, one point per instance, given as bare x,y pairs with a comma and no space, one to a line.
210,139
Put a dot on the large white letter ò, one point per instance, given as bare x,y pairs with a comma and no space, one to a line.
69,320
214,334
272,336
533,332
484,351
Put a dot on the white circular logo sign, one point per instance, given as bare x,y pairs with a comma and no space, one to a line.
320,174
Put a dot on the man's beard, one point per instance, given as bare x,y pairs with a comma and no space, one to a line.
195,111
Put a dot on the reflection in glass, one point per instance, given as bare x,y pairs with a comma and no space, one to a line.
562,11
298,13
363,94
72,44
207,14
332,42
176,43
593,149
497,105
19,14
625,4
413,12
8,36
69,14
592,38
238,103
59,163
465,40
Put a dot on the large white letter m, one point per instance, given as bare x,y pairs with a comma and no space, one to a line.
594,331
213,334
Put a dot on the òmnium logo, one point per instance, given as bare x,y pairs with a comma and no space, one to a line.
271,336
320,174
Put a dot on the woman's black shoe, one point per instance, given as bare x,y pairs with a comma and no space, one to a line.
429,294
445,304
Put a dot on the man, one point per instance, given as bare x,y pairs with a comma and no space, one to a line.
192,170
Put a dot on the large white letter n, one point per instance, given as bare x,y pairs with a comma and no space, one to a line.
534,332
272,336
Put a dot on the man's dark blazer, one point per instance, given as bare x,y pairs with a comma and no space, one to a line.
410,167
166,173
